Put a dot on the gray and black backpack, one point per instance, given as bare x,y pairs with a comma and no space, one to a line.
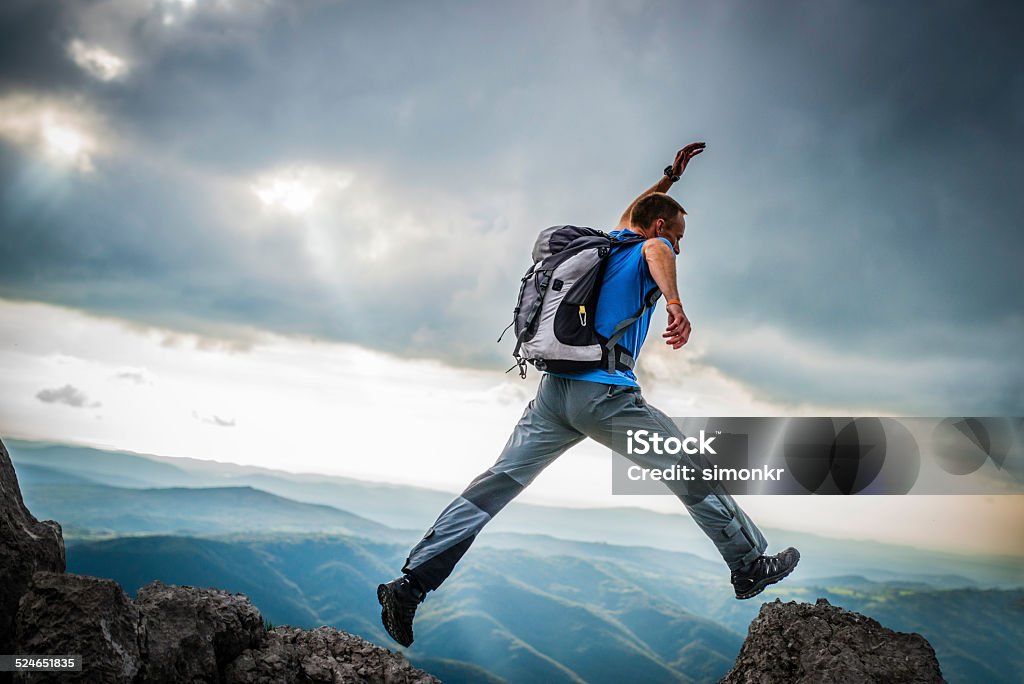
555,315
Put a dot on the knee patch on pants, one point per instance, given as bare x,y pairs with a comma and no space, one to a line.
491,491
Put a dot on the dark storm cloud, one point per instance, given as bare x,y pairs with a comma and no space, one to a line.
859,192
885,133
32,46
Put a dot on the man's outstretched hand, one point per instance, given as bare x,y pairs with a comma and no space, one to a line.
684,156
678,330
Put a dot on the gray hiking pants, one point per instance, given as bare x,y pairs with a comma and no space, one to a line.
562,414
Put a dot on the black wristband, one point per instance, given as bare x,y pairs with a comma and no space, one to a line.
668,172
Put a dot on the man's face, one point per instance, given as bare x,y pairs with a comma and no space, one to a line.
673,230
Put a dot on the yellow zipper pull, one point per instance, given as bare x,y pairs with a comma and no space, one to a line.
583,316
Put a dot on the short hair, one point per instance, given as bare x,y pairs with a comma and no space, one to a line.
650,208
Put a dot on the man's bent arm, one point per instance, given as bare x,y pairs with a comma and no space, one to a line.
661,259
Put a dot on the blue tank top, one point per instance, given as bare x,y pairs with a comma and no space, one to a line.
627,278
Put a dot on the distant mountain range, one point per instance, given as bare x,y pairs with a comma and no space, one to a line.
522,606
102,509
413,509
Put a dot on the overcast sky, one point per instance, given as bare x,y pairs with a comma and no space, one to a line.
374,172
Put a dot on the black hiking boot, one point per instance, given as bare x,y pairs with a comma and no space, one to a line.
399,599
765,570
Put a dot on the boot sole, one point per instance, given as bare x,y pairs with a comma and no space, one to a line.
388,616
770,580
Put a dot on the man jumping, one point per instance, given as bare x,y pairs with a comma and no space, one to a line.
572,406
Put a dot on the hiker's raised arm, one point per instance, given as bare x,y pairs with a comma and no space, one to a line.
683,158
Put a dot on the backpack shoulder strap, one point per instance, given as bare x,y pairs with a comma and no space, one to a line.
620,329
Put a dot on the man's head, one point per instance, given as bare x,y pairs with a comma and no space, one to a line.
658,215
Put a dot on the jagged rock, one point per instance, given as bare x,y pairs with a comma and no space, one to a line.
191,634
323,655
825,644
26,545
78,615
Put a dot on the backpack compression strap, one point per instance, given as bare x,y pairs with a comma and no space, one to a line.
623,357
542,288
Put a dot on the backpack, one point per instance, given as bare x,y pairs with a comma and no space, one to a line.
555,314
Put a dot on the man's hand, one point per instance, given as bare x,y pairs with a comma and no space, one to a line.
678,330
684,156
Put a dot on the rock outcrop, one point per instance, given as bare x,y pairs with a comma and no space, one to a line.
824,644
75,615
168,634
325,655
26,545
189,634
171,634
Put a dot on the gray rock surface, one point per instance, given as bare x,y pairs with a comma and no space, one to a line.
64,614
173,634
322,655
191,635
824,644
26,545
